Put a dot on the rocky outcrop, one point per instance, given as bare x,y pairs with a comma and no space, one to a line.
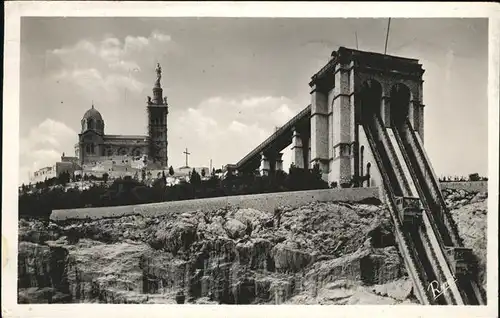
469,210
457,198
472,222
321,253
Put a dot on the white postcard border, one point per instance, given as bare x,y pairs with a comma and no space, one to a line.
15,10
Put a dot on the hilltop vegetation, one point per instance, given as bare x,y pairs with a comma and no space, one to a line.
70,192
60,193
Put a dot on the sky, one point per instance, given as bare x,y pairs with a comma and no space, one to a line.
231,81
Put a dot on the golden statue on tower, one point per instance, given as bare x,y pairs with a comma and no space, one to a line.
158,75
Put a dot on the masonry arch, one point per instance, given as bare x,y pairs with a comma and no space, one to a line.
122,151
368,168
401,107
361,160
371,99
109,151
137,152
90,148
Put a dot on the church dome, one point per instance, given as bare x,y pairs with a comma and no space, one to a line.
92,114
92,120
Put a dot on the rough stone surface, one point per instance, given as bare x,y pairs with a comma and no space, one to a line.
320,253
235,229
469,211
472,222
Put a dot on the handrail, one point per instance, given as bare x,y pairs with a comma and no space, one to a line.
414,266
437,263
442,262
420,190
438,199
266,142
380,131
390,147
472,292
456,237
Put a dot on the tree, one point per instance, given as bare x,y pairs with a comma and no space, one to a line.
316,171
171,171
143,174
105,177
64,178
203,173
213,172
195,178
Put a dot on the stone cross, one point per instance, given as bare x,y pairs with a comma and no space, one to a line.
187,154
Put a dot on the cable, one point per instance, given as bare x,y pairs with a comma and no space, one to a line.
387,36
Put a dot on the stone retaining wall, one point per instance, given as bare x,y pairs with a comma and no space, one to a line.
469,186
264,202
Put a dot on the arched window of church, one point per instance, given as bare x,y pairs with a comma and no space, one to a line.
90,123
368,166
361,158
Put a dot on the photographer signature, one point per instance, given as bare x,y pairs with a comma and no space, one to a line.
437,289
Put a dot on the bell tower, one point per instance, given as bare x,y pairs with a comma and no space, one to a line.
157,124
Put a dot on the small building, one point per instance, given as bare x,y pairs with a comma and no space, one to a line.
43,174
67,164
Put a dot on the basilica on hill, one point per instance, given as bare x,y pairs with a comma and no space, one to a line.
94,145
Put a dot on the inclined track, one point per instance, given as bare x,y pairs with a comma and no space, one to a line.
405,171
439,220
